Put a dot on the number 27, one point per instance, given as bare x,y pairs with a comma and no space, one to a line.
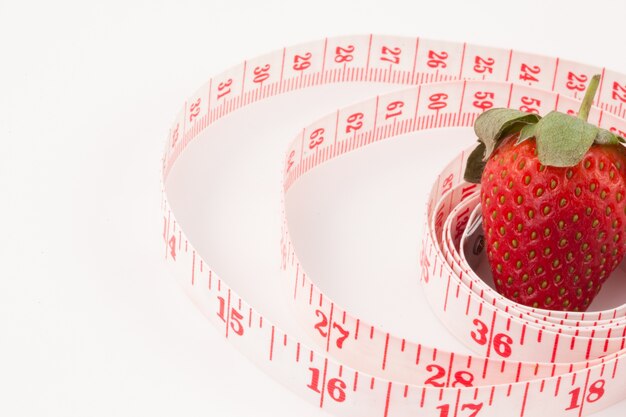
323,327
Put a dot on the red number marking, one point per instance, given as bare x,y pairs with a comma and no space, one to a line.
394,109
335,387
576,82
302,62
438,101
261,73
223,88
619,92
501,341
482,65
194,110
529,105
344,54
391,54
437,59
484,100
528,73
316,138
354,122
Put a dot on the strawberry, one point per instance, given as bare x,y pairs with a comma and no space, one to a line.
553,201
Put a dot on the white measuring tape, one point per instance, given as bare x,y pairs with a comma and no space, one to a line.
527,361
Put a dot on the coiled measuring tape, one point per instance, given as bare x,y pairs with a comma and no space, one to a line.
527,361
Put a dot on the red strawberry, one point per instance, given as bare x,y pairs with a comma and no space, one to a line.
553,214
553,234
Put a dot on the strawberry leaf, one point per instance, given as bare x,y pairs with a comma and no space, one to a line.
604,137
494,124
562,140
475,165
527,132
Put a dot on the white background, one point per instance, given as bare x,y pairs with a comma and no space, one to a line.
91,322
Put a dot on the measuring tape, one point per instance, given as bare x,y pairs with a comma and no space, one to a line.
528,361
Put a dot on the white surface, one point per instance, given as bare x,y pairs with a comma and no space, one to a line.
91,323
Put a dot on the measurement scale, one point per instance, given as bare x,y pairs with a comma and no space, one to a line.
527,361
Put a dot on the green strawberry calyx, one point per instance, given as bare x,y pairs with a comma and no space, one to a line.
562,140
